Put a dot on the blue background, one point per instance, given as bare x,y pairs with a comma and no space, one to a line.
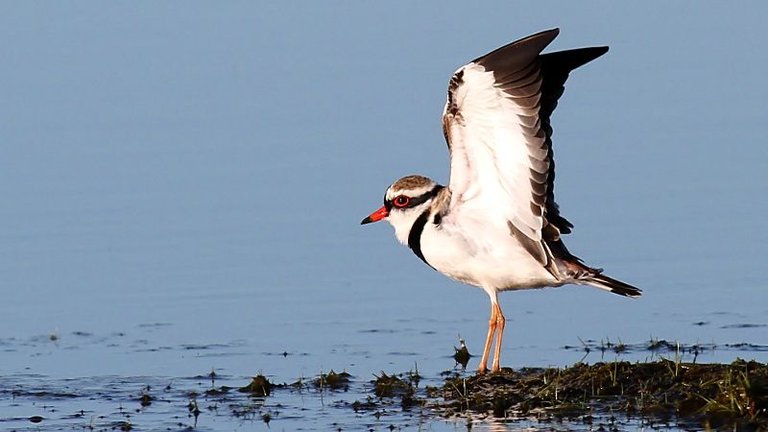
206,166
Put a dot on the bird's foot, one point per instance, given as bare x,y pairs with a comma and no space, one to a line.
483,369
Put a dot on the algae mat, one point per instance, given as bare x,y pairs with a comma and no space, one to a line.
664,394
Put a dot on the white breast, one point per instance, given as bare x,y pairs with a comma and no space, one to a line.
483,254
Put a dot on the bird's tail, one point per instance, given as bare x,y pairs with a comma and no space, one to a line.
574,269
595,277
599,280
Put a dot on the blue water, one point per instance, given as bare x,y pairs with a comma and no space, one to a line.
182,187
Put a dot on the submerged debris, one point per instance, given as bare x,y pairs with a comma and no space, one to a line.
122,425
714,394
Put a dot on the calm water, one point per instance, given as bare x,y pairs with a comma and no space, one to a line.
182,190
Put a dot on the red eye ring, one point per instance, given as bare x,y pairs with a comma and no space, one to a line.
401,201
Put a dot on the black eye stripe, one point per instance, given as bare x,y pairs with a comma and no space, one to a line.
421,199
417,200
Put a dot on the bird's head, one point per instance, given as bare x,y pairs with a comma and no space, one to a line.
404,201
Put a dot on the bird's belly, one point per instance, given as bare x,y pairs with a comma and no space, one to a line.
493,260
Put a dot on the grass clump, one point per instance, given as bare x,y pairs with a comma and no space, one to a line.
259,386
735,393
461,354
333,381
403,386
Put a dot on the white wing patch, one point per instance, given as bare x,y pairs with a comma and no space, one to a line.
497,148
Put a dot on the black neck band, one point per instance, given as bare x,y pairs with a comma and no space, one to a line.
414,236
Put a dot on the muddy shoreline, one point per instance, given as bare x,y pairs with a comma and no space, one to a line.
665,393
711,395
733,396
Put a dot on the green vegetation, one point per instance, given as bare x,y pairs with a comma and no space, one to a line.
403,386
713,394
259,386
333,381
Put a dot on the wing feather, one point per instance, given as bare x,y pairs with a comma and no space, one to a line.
496,122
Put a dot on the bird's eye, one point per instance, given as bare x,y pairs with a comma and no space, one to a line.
401,201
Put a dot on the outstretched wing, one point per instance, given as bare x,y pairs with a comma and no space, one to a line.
497,125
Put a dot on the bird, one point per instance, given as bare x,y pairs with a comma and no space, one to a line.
496,224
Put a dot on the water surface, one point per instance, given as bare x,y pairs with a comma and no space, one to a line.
182,190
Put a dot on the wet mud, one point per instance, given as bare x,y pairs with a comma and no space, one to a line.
671,390
703,395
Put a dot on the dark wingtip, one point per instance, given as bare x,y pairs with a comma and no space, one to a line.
563,62
554,31
520,52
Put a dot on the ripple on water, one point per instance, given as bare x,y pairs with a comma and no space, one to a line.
208,399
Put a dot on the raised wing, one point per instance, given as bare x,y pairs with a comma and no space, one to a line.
496,122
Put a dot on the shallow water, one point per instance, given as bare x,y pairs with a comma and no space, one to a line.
182,192
49,381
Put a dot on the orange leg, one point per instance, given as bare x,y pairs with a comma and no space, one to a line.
492,322
500,323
